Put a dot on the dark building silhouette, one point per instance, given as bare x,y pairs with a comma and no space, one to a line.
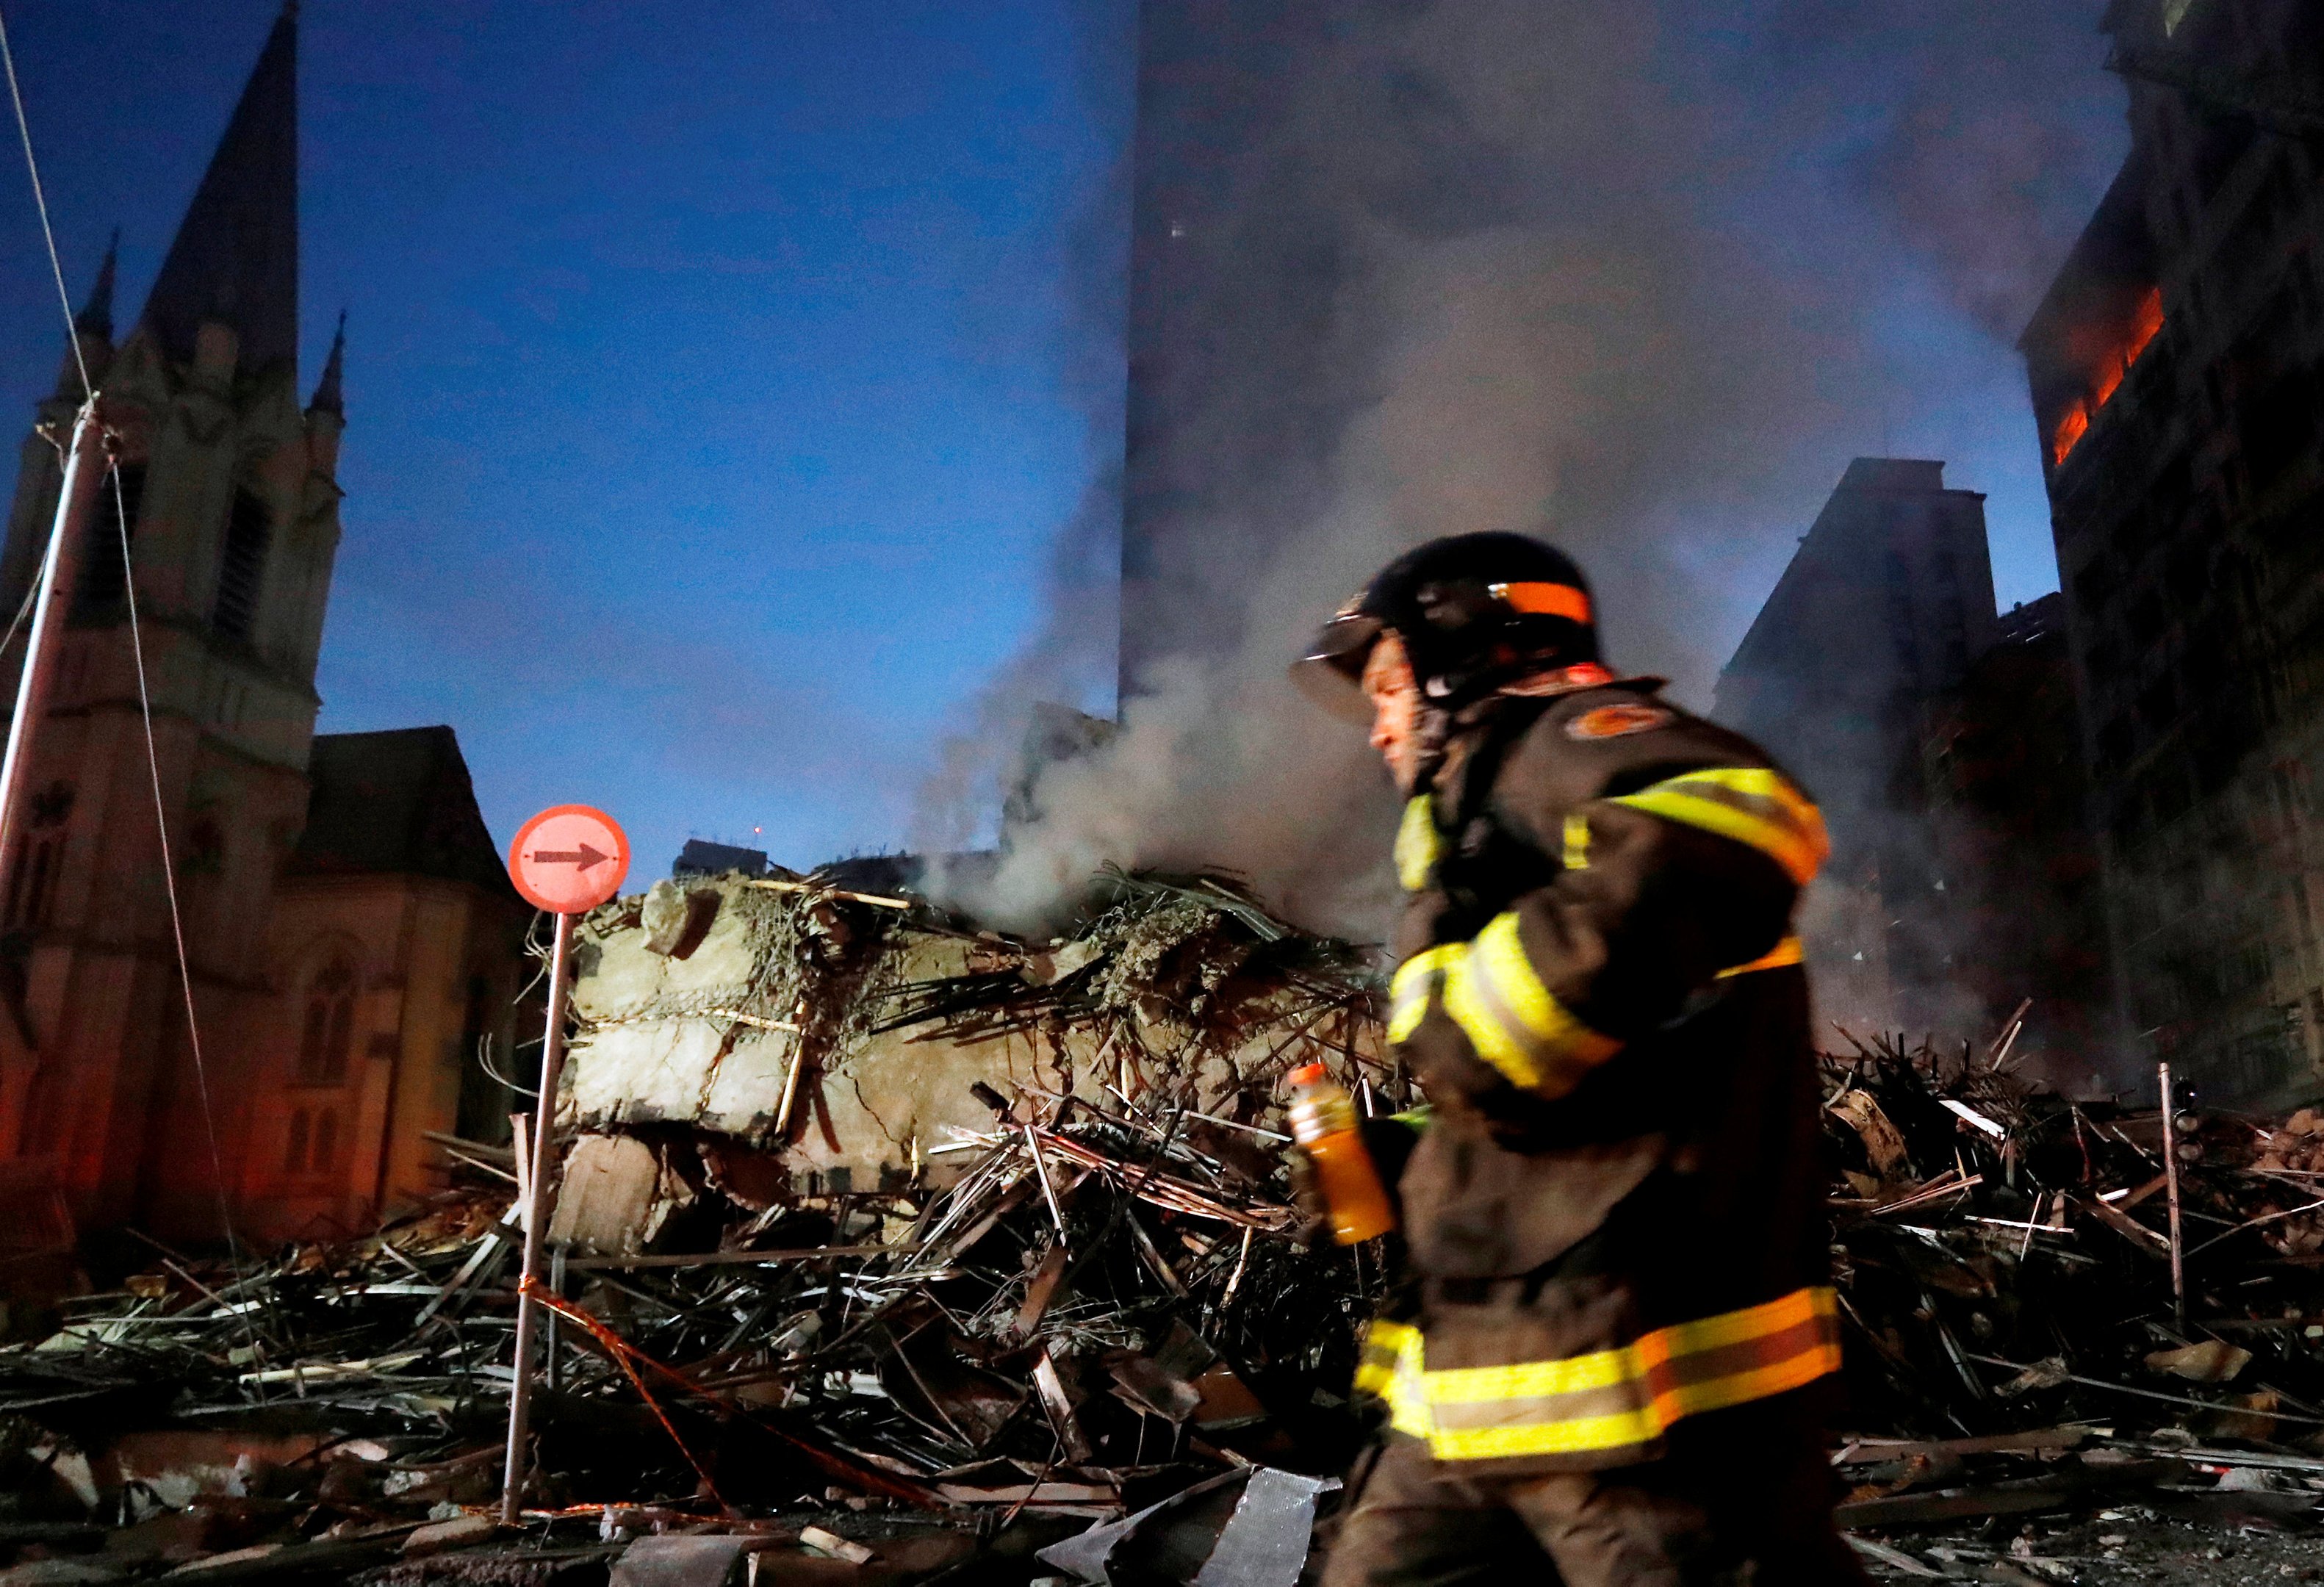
701,857
2174,373
1877,620
2023,914
1277,142
1942,742
1223,302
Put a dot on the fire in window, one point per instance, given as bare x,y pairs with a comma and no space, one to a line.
2107,352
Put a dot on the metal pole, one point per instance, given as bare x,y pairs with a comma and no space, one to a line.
536,1228
2170,1183
85,466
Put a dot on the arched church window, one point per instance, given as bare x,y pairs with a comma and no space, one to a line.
103,587
204,852
32,886
242,571
329,1024
42,1130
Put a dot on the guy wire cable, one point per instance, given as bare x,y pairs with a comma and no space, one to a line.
137,650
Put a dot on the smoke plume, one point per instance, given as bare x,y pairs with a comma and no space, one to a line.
1604,271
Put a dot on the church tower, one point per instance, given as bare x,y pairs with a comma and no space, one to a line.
232,518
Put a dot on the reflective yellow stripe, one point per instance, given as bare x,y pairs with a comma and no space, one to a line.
1384,1345
1577,842
1602,1369
1575,1436
1627,1397
1750,804
1407,1395
1514,1021
1416,981
1786,952
1417,844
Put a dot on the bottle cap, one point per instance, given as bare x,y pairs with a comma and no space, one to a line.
1309,1075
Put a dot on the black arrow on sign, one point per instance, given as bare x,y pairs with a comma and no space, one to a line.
580,859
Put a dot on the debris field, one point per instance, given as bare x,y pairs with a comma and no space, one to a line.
891,1250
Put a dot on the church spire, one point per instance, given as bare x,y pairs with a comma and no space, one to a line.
327,390
236,259
95,316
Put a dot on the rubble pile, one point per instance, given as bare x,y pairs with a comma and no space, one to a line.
1085,1320
2014,1344
887,1249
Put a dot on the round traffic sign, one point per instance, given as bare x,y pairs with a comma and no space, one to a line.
568,858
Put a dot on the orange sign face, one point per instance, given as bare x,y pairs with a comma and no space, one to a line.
568,858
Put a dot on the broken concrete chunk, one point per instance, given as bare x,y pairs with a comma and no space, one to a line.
702,1561
834,1545
2212,1361
616,1197
1047,969
438,1535
675,920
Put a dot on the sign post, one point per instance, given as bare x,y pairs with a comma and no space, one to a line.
568,860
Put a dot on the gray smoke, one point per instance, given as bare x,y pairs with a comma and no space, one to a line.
1605,269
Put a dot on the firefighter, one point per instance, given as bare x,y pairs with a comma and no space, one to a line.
1616,1324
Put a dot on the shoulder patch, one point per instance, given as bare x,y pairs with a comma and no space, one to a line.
1615,721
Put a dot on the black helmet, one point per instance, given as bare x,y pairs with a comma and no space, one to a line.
1474,610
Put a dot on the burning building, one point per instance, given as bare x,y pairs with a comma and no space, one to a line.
2173,367
350,938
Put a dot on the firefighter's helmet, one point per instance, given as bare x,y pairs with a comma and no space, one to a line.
1474,612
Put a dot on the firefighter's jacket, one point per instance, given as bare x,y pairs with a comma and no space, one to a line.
1615,1216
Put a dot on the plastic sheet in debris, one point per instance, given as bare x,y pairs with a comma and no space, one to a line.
1241,1529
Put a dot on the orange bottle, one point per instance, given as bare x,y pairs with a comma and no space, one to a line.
1323,1122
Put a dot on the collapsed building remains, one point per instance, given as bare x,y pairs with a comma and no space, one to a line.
886,1247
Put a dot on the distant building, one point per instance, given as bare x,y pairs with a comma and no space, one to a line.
2175,368
701,857
2021,910
1220,308
1275,147
1885,604
352,940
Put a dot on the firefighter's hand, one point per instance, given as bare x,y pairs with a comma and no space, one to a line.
1313,1233
1387,1142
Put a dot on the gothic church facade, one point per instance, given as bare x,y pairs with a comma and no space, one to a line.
352,943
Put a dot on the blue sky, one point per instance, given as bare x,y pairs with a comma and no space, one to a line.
708,403
715,395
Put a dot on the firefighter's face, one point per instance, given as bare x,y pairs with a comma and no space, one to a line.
1395,708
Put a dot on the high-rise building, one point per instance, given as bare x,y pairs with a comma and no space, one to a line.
1225,301
2175,371
2021,911
351,937
1885,604
1277,142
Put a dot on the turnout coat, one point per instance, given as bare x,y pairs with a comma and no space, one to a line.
1614,1213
